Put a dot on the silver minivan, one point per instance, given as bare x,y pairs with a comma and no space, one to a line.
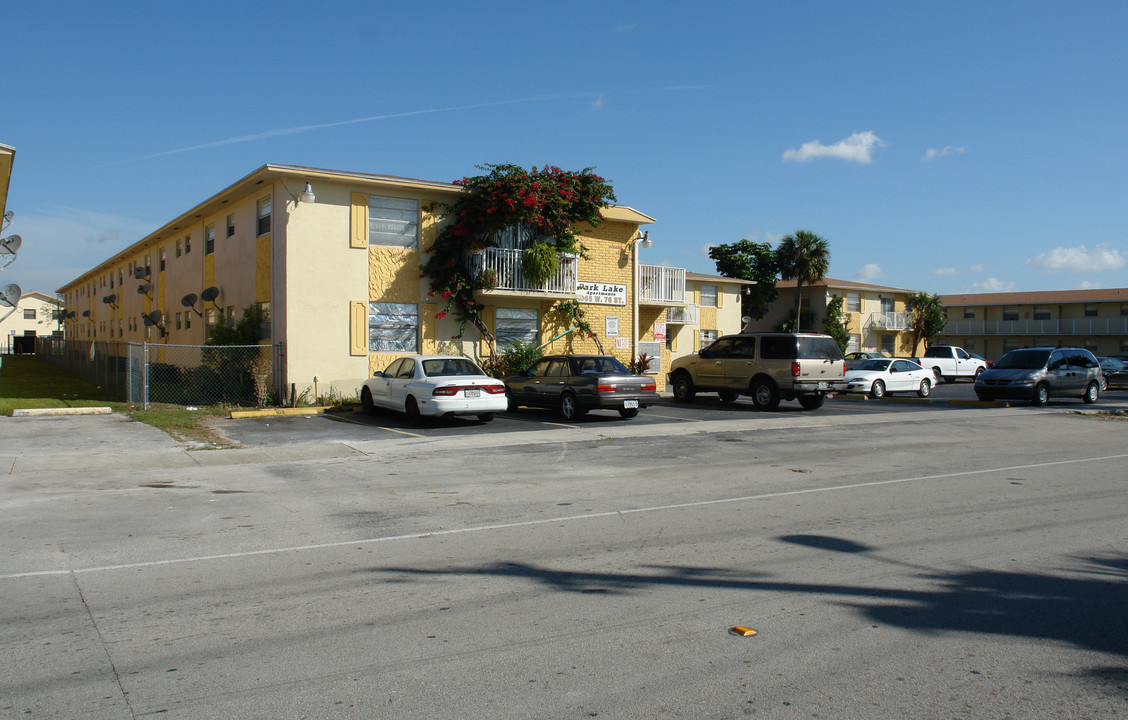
1039,373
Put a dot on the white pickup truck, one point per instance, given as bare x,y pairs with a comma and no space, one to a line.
950,363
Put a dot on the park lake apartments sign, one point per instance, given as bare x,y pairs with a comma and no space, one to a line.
601,293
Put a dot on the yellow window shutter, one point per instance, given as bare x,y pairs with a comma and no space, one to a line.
674,341
720,296
358,236
358,328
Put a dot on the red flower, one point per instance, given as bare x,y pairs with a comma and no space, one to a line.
440,315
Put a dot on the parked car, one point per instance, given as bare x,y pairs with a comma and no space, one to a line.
1037,374
878,378
434,386
574,384
950,363
1114,372
767,366
854,359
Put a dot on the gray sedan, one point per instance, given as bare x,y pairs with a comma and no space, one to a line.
574,384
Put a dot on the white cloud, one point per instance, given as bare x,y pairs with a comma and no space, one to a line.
949,271
1079,259
598,103
933,153
858,148
1089,285
869,273
991,285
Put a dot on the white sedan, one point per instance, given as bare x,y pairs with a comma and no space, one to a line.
888,375
433,386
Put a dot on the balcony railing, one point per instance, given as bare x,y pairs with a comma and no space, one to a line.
686,315
890,321
505,265
1074,326
659,285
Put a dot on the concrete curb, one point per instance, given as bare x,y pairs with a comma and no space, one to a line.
276,412
62,411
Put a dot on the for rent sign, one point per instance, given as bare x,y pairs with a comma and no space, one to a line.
602,293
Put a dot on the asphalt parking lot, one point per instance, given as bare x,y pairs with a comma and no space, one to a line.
345,426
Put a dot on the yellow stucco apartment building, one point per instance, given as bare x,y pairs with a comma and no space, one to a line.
334,257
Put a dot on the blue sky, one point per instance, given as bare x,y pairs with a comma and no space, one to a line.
945,147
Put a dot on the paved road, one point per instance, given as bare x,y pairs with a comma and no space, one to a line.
896,561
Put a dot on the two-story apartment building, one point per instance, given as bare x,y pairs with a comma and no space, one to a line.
712,309
992,324
335,257
32,317
879,318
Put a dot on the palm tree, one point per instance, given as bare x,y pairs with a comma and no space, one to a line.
929,317
804,257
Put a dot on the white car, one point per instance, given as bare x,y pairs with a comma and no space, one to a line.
434,386
889,375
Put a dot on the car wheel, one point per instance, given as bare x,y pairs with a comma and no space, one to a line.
812,402
765,395
985,398
728,396
411,409
939,377
877,391
511,404
1041,394
485,417
683,388
1092,393
569,408
978,372
366,404
925,388
1104,383
628,412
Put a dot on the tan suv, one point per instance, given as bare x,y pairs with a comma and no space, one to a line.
767,366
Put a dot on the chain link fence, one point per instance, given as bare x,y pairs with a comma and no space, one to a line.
144,373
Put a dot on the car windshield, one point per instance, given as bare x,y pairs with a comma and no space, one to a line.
1023,360
598,366
445,367
873,365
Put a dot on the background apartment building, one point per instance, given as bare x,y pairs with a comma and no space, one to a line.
992,324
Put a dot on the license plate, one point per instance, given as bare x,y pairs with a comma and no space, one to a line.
630,404
822,386
472,392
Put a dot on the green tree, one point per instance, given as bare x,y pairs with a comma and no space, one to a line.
834,324
244,332
748,260
929,317
805,258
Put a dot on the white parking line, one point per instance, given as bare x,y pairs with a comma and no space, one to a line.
548,521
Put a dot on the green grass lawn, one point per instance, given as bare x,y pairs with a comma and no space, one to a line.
26,383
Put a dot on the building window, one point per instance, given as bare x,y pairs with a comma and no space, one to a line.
29,314
516,325
162,261
187,244
179,249
187,321
1090,311
178,321
209,239
264,209
1041,313
969,314
853,302
230,225
393,327
854,344
212,317
230,314
1010,313
393,222
708,336
889,344
707,295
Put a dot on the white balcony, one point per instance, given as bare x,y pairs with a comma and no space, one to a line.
682,315
1070,326
505,265
659,285
889,321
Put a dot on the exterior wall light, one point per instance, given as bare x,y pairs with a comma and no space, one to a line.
307,194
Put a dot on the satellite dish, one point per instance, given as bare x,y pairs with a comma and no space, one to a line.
10,245
188,300
210,294
144,288
85,313
10,295
140,272
152,318
109,299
